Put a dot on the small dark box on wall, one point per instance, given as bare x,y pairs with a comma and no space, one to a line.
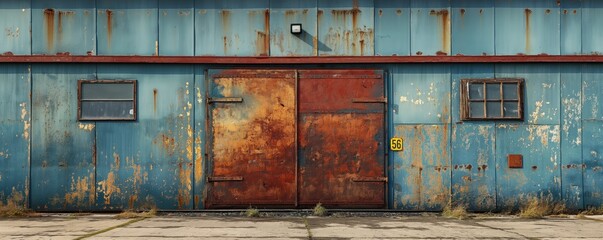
515,160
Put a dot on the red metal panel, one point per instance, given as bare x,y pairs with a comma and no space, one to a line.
252,138
342,157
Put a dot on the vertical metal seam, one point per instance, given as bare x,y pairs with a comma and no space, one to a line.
495,153
449,123
30,27
158,34
390,157
317,30
194,142
96,32
296,98
582,68
386,137
194,26
29,184
208,139
561,115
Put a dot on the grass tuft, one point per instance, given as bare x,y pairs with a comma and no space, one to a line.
459,212
592,211
131,214
13,209
537,208
252,212
319,210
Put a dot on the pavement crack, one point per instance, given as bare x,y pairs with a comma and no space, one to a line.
110,228
507,231
308,228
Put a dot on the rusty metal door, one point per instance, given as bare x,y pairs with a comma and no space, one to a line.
341,131
252,128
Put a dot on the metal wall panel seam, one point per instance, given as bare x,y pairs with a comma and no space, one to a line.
28,183
582,126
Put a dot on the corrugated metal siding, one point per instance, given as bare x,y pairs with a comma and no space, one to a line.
261,28
15,133
160,160
65,27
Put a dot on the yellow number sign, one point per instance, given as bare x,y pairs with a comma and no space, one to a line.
396,144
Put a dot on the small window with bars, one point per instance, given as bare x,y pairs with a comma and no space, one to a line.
492,99
106,100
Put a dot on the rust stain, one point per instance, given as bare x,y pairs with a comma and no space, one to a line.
184,191
116,161
81,189
198,160
399,12
548,11
86,127
109,26
133,199
26,121
49,20
263,130
565,11
155,100
225,16
315,46
528,13
8,54
108,188
419,53
444,27
380,12
462,12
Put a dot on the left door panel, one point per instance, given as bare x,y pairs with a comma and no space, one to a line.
252,148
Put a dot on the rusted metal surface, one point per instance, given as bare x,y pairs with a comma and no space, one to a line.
572,164
346,27
232,28
421,172
149,163
515,161
15,134
592,133
541,175
430,27
529,28
252,140
9,58
342,158
63,173
127,27
282,15
63,28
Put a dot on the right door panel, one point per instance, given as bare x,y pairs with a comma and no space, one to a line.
341,131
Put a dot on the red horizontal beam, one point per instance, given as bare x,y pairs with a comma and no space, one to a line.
304,60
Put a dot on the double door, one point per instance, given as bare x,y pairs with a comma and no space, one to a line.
295,138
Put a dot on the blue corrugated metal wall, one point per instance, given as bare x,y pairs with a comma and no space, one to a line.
159,159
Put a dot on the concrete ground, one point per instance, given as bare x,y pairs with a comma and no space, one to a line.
207,226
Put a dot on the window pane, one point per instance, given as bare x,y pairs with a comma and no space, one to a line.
511,109
493,91
91,91
493,109
510,91
476,110
108,110
476,91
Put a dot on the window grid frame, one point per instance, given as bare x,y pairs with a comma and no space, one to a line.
134,99
466,99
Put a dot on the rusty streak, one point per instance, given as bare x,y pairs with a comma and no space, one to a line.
109,26
49,19
155,100
528,13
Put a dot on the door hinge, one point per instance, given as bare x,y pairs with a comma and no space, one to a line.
225,100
